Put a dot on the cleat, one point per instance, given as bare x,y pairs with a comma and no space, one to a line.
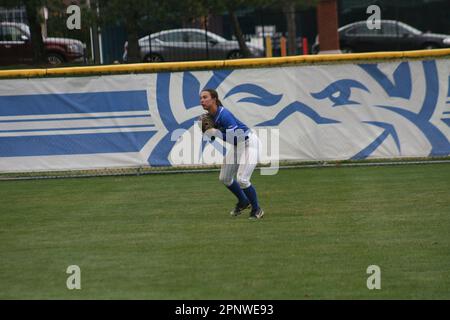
239,208
256,214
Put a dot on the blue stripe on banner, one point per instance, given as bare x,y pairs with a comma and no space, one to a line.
77,118
88,102
73,144
446,121
78,128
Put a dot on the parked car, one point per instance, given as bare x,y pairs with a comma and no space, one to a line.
16,46
391,36
188,44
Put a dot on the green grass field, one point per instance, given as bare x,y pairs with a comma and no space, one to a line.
171,236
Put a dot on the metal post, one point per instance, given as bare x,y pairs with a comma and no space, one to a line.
262,27
150,44
206,37
94,35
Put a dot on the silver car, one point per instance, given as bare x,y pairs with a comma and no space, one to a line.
189,44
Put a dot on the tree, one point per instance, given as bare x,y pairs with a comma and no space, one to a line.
126,13
289,8
147,15
198,8
232,6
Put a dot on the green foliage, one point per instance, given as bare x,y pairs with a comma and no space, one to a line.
149,14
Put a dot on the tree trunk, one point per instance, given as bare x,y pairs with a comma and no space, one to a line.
238,33
289,12
133,45
34,21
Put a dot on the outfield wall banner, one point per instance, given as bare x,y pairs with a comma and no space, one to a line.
322,112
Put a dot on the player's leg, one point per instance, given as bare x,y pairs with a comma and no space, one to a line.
247,162
227,174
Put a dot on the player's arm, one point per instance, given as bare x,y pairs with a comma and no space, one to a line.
232,131
229,123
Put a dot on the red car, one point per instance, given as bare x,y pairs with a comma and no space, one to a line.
16,47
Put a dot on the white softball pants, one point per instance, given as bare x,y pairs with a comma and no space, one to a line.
240,161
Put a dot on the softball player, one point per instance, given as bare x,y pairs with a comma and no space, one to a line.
241,158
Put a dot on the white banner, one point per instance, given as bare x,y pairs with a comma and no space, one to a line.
324,112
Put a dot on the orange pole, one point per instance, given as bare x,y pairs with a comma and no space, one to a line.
305,46
283,46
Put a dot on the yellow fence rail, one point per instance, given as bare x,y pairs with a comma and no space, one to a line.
222,64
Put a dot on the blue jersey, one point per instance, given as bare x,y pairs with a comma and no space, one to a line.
226,122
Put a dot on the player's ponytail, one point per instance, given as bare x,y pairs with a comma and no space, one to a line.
214,95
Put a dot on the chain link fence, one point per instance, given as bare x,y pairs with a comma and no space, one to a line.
148,170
